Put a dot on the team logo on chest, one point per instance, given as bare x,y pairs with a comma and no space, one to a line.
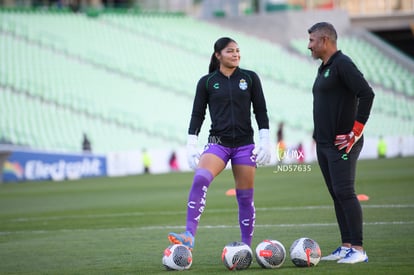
328,71
243,84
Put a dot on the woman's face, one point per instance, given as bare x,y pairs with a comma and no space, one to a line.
229,57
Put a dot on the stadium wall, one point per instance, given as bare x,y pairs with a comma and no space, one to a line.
286,25
22,165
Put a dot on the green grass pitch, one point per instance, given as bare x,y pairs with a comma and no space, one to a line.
120,225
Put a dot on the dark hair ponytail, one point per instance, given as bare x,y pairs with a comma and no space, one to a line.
220,44
214,63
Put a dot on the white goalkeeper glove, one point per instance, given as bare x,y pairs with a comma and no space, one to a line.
262,149
193,156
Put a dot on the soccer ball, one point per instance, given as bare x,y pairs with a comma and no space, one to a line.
237,256
177,257
305,252
270,254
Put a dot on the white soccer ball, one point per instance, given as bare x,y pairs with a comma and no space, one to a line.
270,254
305,252
237,256
177,257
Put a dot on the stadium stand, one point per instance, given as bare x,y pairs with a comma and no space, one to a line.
128,79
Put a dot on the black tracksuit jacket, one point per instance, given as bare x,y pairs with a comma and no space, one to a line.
229,100
341,95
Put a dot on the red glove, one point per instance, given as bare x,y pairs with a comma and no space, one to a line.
347,141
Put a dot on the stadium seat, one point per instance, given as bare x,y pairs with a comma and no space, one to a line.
128,80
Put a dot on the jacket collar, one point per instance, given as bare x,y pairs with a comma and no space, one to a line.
235,72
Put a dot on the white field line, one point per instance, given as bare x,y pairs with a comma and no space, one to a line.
168,227
228,210
277,225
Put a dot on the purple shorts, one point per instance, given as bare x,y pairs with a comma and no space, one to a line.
239,155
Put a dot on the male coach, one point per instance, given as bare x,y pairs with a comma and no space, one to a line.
342,101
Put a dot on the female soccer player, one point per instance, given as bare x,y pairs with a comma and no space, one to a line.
229,92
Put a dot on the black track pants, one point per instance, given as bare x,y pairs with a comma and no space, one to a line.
338,170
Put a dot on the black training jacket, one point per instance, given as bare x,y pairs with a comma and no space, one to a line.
341,95
229,100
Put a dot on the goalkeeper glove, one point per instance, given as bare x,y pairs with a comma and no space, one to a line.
193,156
262,149
348,140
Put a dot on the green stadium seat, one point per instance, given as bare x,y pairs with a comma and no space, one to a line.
129,81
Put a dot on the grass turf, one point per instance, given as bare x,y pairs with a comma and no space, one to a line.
120,225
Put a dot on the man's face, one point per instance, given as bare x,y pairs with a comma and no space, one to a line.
317,45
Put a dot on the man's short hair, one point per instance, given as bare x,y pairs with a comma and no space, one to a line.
326,29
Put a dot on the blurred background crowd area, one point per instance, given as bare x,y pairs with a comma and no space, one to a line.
353,7
123,73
